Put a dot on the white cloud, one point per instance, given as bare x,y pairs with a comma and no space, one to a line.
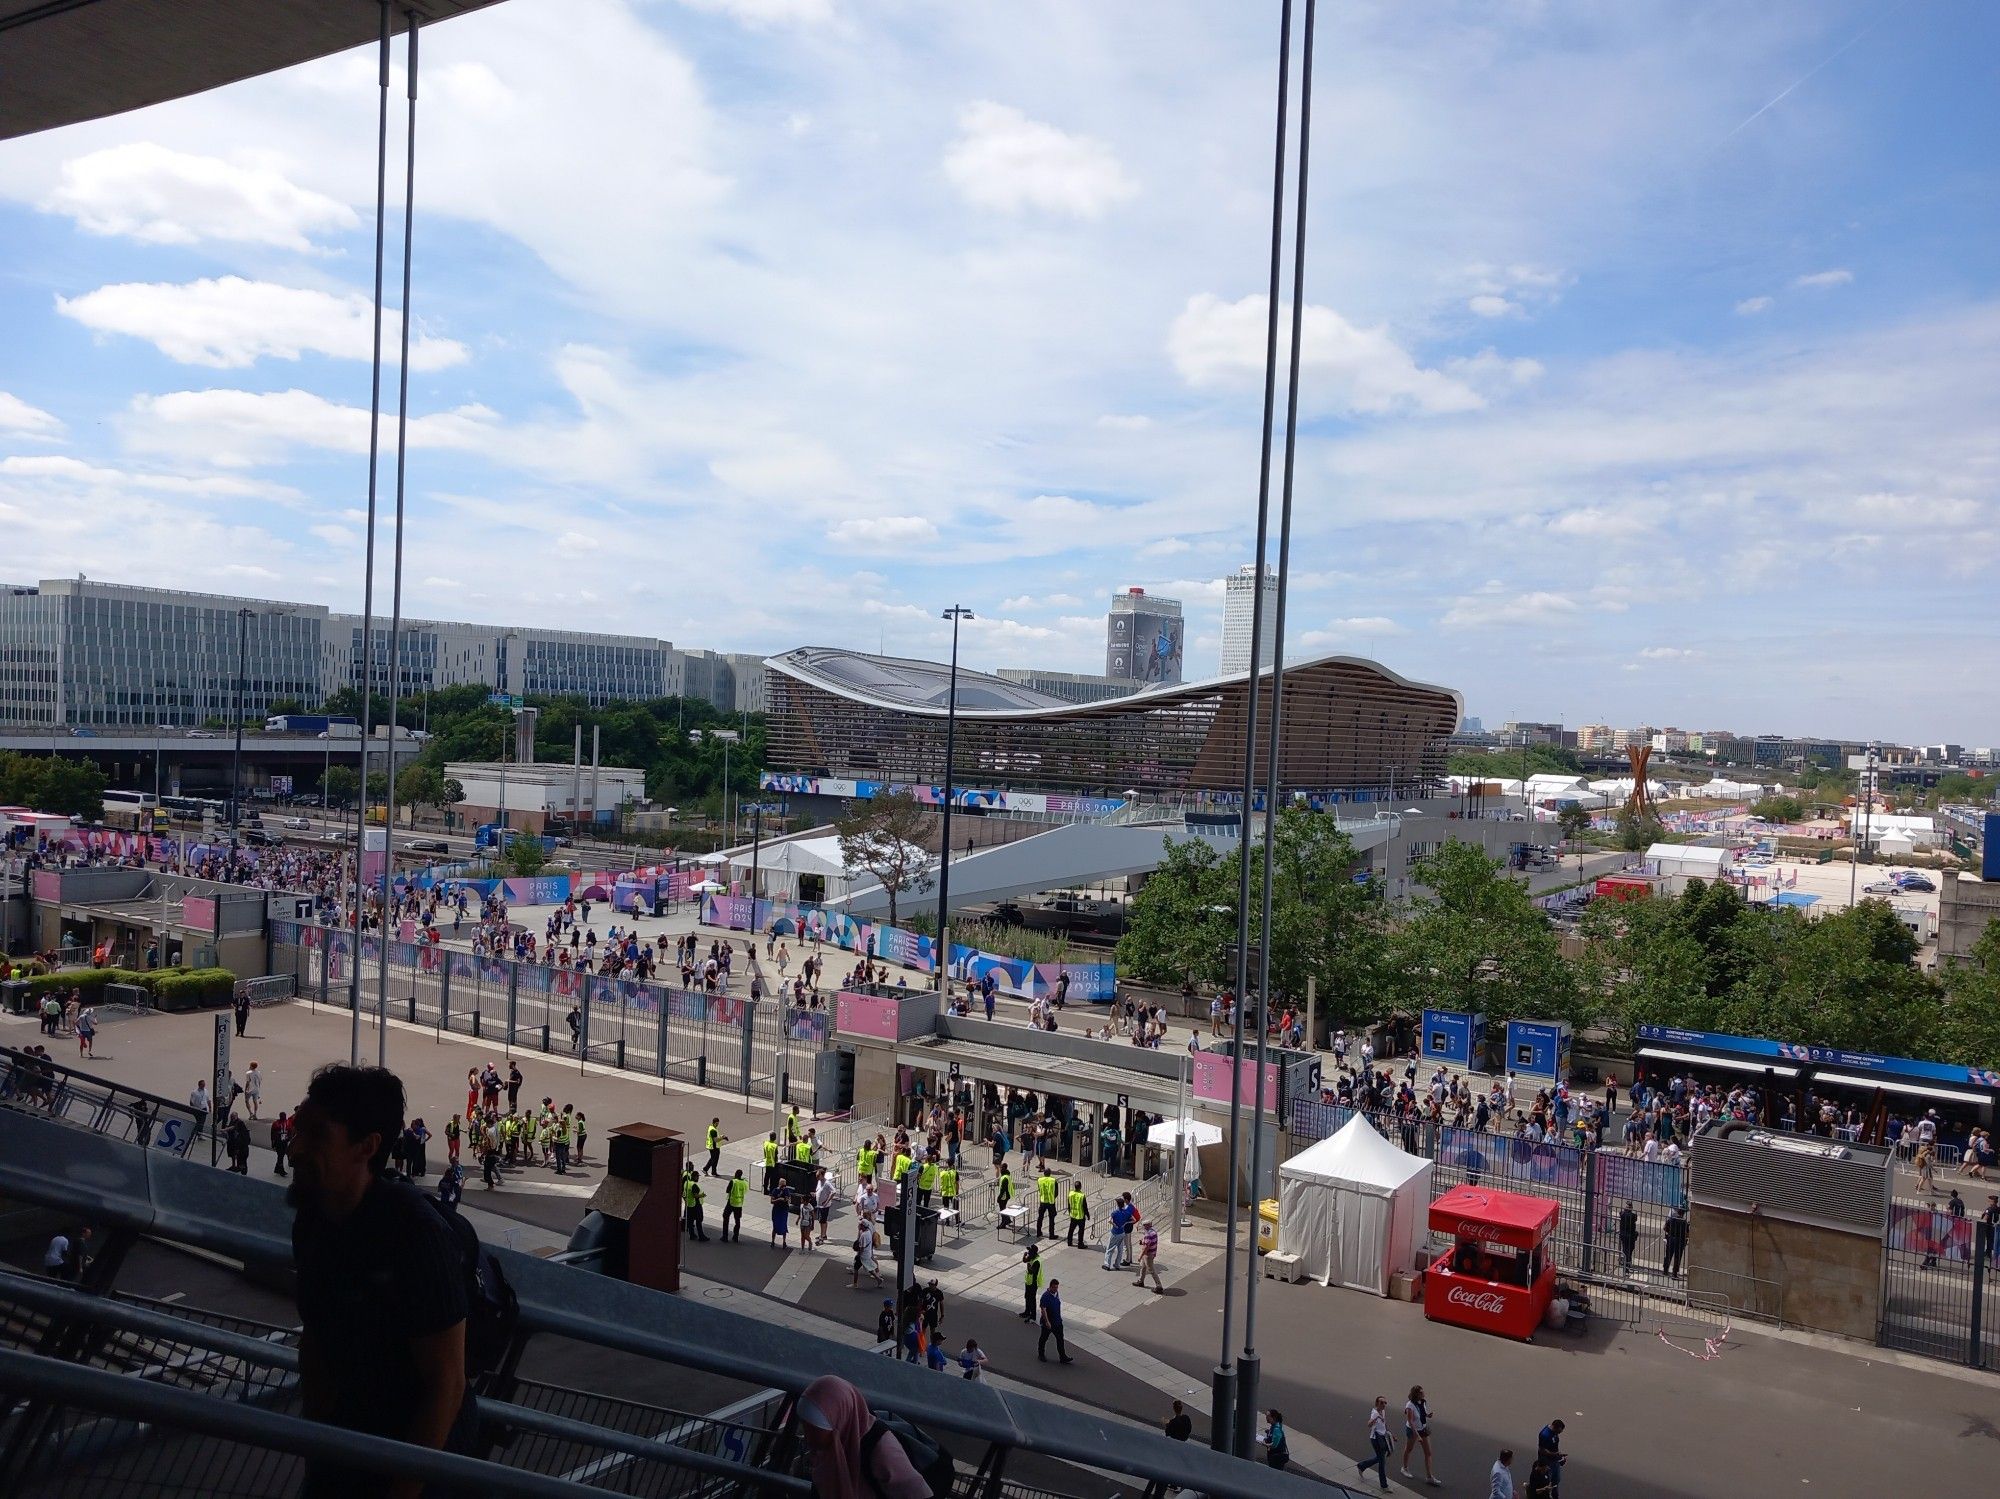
1751,306
1488,305
1491,370
238,428
1494,606
229,323
1597,523
1515,291
1824,280
1005,161
865,531
1361,627
1214,342
1166,546
1041,601
1125,423
762,13
1668,653
74,471
147,192
19,419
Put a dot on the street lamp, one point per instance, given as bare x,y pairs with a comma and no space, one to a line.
956,613
243,618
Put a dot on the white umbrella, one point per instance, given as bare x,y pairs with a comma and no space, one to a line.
708,887
712,859
1193,1131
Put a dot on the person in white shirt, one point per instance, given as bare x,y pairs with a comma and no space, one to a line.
1378,1440
1652,1147
1501,1485
972,1359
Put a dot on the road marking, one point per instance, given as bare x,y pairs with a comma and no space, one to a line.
794,1278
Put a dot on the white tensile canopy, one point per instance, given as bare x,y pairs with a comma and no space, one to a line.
1351,1208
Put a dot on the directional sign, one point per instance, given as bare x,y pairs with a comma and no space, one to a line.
503,699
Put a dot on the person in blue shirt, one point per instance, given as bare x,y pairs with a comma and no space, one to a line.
1052,1325
1548,1448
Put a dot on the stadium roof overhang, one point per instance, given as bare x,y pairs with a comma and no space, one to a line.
920,688
66,61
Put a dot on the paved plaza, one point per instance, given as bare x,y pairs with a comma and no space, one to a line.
1648,1419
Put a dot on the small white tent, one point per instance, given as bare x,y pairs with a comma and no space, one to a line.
1350,1208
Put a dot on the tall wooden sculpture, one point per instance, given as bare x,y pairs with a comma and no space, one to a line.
1640,803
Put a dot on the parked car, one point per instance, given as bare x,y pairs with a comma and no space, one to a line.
203,734
1915,882
332,835
428,846
1882,887
297,823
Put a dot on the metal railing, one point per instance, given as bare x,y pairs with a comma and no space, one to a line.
130,1193
49,1088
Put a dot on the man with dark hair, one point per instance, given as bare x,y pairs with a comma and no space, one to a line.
381,1285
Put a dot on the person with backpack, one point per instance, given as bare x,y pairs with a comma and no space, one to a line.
1277,1449
392,1365
854,1455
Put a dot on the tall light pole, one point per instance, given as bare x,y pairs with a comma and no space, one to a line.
956,613
236,760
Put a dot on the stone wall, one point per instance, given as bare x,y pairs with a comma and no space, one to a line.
1809,1276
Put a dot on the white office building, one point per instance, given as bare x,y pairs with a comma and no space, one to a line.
436,653
1238,604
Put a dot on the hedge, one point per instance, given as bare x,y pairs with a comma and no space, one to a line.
190,985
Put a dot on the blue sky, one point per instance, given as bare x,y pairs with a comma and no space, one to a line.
1649,370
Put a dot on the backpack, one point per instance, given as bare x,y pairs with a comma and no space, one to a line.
932,1462
492,1311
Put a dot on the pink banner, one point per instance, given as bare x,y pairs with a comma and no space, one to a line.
48,885
1212,1078
198,913
864,1015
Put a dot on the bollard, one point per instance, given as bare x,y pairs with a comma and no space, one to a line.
475,1024
545,1038
621,1053
413,1009
701,1070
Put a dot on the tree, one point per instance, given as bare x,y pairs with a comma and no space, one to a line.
1969,1026
1573,821
1180,924
283,705
1637,834
888,837
422,785
1476,942
51,783
524,855
342,782
1779,809
378,785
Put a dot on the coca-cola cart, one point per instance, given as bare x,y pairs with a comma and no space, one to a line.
1496,1276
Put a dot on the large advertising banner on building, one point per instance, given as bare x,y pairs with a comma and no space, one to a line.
911,949
1094,982
864,1015
1010,975
1214,1077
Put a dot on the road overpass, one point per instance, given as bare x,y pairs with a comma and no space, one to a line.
199,760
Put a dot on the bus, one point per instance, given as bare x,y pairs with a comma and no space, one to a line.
134,812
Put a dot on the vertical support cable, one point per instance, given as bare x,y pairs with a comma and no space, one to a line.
1250,1365
368,573
396,590
1222,1394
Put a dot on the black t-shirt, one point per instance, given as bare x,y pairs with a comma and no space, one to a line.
367,1285
1181,1427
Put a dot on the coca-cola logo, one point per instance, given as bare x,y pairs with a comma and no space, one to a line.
1478,1301
1484,1232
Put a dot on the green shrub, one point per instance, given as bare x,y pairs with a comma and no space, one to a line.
194,988
190,985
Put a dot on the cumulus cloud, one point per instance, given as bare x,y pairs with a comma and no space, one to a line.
1004,161
1495,606
1490,305
19,419
1491,370
762,13
229,323
1598,523
1359,627
144,191
866,531
97,476
1363,370
1511,291
1751,306
239,428
1824,280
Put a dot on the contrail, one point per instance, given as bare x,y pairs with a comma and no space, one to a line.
1799,83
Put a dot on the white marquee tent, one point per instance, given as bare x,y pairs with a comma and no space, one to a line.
1351,1208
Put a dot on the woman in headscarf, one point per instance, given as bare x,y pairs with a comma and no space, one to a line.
834,1421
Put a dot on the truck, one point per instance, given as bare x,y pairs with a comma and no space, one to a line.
305,723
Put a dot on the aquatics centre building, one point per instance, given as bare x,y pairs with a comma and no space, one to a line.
848,724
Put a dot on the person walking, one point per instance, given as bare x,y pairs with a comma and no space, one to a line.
198,1101
242,1014
1031,1281
236,1140
1676,1234
735,1194
1079,1214
781,1210
489,1155
1542,1479
1500,1482
1052,1325
1417,1433
864,1255
86,1032
715,1139
1120,1222
1179,1424
972,1359
1628,1234
281,1141
1378,1441
948,1189
1149,1249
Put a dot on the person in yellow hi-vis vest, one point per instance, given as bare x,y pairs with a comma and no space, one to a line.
1003,1190
802,1151
692,1198
927,1176
732,1211
948,1188
770,1163
1031,1282
902,1167
864,1160
792,1130
1079,1215
715,1139
1045,1195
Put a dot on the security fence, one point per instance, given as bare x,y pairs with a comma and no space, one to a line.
1938,1297
663,1031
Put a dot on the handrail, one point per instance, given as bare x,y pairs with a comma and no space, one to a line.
46,1296
119,1185
50,1379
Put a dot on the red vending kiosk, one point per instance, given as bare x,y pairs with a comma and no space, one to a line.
1496,1276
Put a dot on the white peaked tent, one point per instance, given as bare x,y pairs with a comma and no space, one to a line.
1351,1208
